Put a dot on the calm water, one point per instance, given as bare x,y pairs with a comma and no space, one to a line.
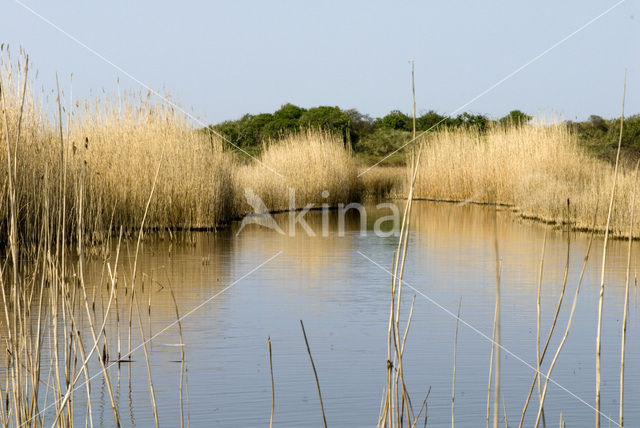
343,299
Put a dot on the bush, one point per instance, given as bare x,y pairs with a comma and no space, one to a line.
289,112
327,118
359,125
598,122
468,120
514,118
382,141
429,120
630,132
396,120
250,132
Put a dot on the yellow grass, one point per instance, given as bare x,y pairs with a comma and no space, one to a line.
383,182
94,168
124,149
110,150
310,163
534,168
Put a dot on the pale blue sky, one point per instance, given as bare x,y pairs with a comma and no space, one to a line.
224,59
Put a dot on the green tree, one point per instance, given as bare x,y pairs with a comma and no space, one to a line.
429,120
252,128
228,129
515,118
327,118
283,121
630,132
396,120
469,120
288,112
359,124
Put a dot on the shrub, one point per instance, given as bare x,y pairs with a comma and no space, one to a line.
598,122
327,118
396,120
429,120
468,120
630,132
382,141
514,118
360,124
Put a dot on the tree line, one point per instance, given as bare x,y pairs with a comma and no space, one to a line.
253,130
382,135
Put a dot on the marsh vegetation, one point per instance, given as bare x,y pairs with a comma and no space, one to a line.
101,201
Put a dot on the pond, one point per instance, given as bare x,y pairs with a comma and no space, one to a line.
235,291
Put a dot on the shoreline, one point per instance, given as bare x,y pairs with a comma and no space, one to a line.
501,207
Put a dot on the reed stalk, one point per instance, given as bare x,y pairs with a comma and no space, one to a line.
397,398
626,304
183,359
541,355
493,348
496,390
604,259
567,329
152,393
504,409
413,94
315,374
422,408
96,338
453,380
273,388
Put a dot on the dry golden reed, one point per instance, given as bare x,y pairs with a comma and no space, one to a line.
106,152
121,150
310,163
534,168
73,173
383,182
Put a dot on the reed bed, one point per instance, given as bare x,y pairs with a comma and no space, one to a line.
129,164
534,168
52,204
315,168
74,173
121,149
107,151
384,182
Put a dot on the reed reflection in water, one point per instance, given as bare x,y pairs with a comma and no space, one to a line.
343,299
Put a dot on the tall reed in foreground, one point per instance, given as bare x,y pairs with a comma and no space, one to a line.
396,407
315,374
547,376
273,388
626,304
541,354
453,380
48,202
604,259
496,324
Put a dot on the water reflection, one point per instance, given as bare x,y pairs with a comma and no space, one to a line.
343,299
